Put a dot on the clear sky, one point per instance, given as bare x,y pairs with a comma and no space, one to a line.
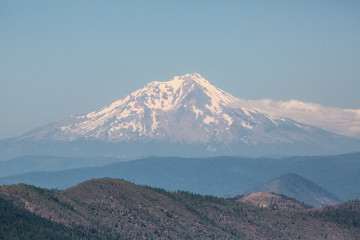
62,58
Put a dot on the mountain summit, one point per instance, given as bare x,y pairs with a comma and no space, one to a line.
185,110
300,188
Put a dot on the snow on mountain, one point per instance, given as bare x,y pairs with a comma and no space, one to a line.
338,120
186,109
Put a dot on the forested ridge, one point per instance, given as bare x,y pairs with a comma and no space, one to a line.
116,209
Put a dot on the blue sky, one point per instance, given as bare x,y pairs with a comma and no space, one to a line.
61,58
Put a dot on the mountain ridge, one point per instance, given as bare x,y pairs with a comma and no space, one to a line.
183,111
142,107
220,176
121,209
298,187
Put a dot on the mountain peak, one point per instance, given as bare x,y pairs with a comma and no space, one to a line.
184,110
172,94
178,81
300,188
193,77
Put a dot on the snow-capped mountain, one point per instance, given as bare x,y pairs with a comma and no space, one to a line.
186,109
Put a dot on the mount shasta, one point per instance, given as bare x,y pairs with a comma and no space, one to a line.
186,114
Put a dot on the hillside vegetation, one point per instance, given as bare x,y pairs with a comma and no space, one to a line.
18,223
111,208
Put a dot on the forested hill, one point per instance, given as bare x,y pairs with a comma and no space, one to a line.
111,208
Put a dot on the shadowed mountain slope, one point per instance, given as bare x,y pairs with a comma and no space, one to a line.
19,223
347,214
